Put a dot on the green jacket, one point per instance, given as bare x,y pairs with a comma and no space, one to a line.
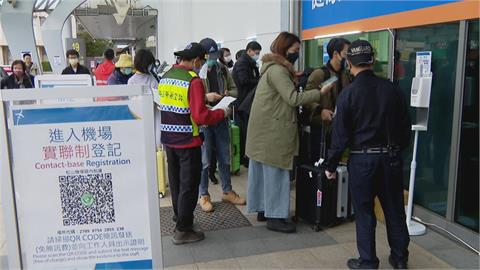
272,134
227,81
328,100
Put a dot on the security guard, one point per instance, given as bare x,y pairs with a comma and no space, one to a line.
183,110
372,120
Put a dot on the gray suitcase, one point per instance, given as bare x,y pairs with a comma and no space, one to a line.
344,205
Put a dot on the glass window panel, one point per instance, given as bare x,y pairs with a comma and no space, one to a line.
316,52
466,208
433,154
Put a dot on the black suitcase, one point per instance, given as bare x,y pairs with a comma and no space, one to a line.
316,196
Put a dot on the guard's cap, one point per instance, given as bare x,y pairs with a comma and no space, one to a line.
192,51
360,52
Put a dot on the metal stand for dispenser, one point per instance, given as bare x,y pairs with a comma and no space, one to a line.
414,228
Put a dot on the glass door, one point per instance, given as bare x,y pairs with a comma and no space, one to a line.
466,205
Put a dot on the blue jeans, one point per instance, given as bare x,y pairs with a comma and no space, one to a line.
218,135
268,190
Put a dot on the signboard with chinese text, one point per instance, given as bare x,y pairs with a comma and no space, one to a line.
329,17
82,184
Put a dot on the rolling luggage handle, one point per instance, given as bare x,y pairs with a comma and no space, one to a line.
323,146
319,194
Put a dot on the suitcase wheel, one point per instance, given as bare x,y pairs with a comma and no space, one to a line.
161,195
316,227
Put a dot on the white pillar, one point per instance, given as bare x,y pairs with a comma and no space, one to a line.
17,24
52,33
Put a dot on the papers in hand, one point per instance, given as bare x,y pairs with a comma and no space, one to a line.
223,104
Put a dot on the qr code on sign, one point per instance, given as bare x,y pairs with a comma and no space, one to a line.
87,199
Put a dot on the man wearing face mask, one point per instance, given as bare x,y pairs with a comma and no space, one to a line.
217,136
337,51
123,70
246,76
74,66
321,114
183,110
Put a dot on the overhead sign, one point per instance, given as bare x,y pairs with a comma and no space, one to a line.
332,17
317,13
85,192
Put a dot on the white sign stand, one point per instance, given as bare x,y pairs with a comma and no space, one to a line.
34,204
420,98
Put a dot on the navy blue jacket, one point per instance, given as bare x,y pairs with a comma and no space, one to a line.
370,112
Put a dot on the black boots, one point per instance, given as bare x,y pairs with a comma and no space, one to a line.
280,225
261,217
397,264
361,264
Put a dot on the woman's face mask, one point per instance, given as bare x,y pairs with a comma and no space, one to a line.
127,71
228,58
292,57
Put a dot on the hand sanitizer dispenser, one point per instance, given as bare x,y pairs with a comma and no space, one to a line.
421,89
420,99
420,95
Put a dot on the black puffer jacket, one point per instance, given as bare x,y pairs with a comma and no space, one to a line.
11,83
246,76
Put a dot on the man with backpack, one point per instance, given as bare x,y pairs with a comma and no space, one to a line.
337,51
320,115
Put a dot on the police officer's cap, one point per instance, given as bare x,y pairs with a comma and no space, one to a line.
360,52
211,47
192,51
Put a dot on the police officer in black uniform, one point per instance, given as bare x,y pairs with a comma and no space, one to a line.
372,121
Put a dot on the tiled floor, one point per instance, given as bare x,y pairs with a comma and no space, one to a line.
255,247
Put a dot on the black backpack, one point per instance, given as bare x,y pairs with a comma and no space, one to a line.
304,116
303,79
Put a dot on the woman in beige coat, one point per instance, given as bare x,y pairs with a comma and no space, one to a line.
272,136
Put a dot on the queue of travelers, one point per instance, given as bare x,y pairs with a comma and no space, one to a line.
360,112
